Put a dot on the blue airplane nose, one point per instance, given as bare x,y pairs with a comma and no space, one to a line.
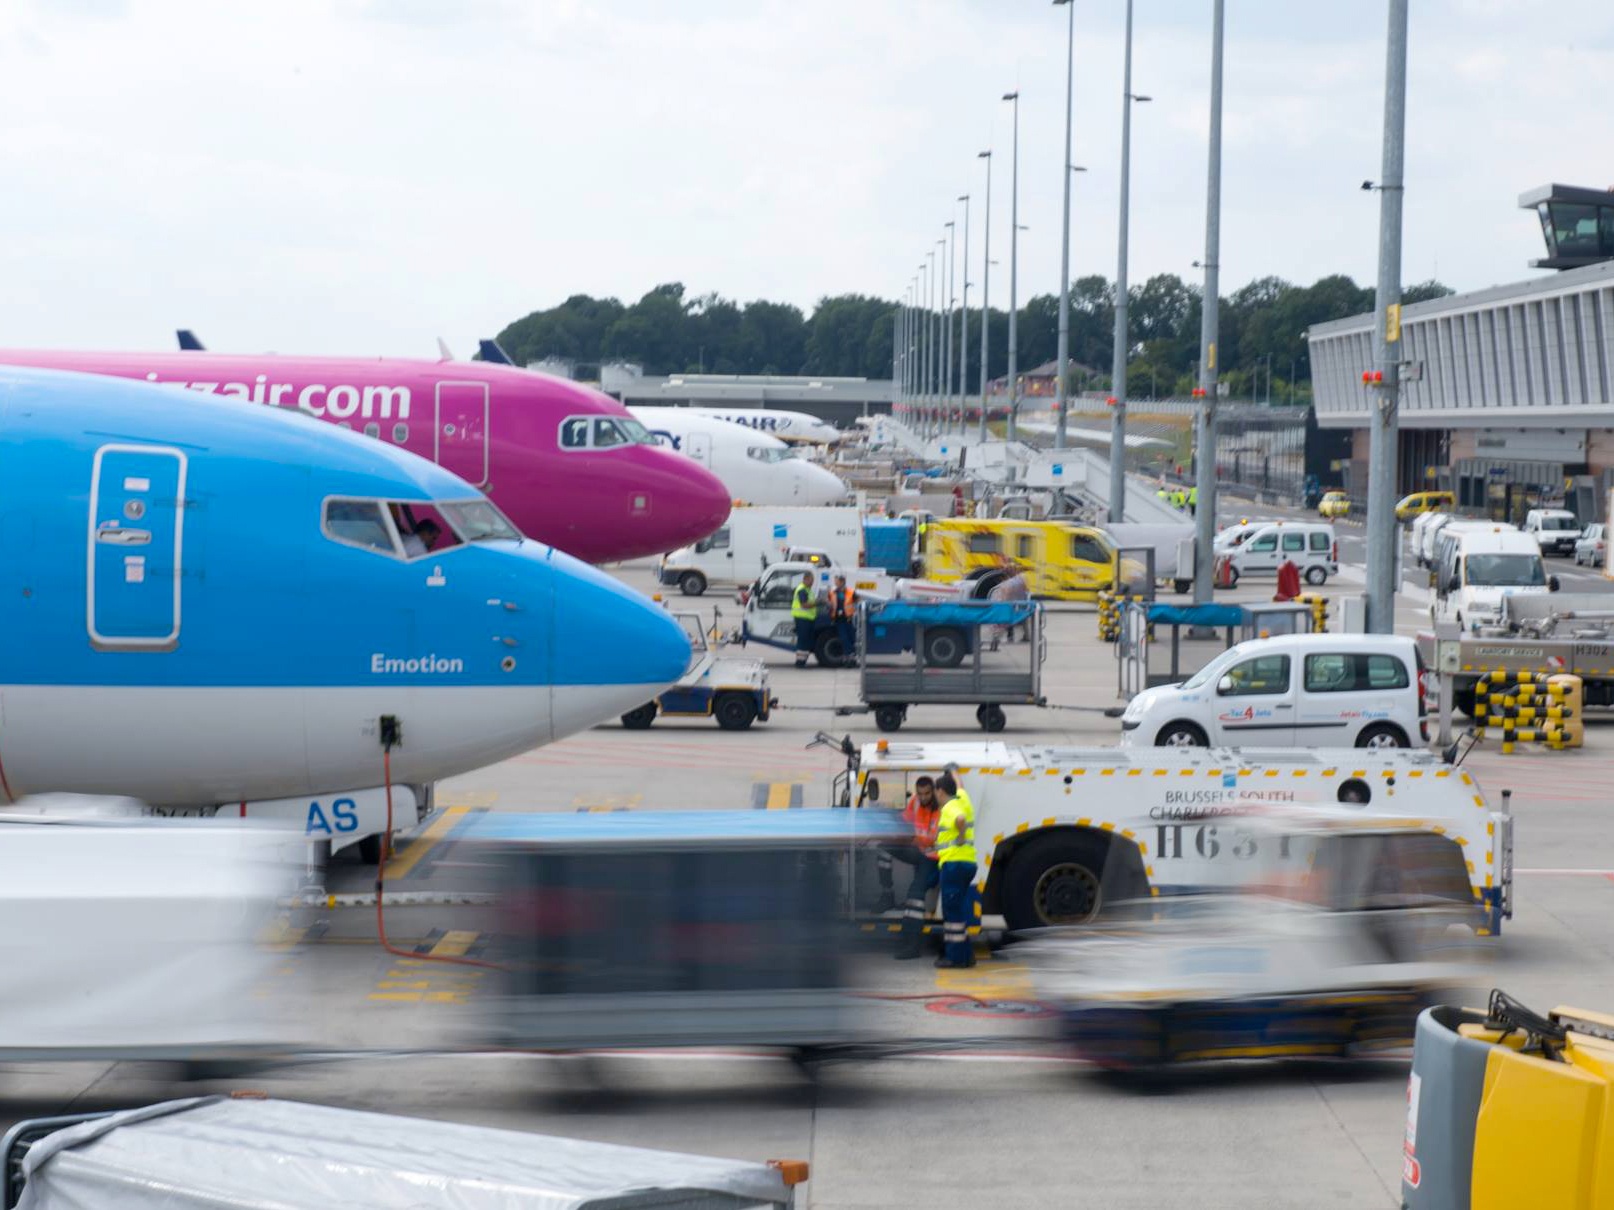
614,649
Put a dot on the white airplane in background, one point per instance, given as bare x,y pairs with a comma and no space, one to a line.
794,427
756,468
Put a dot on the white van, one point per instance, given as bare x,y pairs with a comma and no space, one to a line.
1310,544
1555,530
1480,564
1292,691
1422,535
756,536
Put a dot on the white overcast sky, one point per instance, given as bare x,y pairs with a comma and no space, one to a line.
366,175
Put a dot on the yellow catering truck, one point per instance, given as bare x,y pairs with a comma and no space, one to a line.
1062,562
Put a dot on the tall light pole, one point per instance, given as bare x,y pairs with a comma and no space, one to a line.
1123,335
964,315
986,288
947,311
941,324
924,337
1012,432
1205,442
1061,401
1384,435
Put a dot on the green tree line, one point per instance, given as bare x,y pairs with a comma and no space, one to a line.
1262,346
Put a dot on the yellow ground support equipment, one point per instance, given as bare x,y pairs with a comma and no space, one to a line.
1109,617
1528,708
1507,1109
1319,611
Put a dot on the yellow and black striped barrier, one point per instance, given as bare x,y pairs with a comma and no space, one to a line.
1529,708
1319,610
1109,617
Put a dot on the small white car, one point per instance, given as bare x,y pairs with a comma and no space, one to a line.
1592,549
1555,530
1292,691
1311,545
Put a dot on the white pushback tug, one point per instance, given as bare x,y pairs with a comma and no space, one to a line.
1061,831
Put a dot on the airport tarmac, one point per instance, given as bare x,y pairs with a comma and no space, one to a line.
995,1116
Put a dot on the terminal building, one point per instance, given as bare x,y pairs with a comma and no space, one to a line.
1507,394
837,400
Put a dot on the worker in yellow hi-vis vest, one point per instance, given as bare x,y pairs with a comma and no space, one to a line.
955,860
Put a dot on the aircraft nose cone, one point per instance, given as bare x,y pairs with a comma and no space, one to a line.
699,504
824,487
614,649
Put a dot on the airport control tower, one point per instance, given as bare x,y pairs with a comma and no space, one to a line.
1578,225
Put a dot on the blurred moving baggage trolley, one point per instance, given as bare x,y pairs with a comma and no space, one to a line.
675,928
253,1151
988,679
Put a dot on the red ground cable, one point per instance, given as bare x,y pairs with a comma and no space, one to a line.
380,874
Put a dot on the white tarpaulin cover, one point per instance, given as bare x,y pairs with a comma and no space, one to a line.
282,1155
130,937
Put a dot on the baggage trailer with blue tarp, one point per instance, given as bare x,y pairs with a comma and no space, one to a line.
990,673
676,928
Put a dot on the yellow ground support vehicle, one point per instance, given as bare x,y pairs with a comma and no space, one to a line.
1509,1108
1419,503
1061,561
1334,504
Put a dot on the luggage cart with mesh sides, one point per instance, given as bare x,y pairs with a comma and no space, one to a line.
1003,667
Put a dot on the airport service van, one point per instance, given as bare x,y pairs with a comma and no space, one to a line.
1300,690
1062,562
754,537
1310,545
1478,566
1061,832
1555,530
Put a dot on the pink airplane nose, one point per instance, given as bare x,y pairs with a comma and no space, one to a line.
693,503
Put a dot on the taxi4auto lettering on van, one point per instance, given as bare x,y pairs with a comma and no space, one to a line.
1203,823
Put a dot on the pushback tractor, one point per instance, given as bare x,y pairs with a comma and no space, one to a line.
1064,833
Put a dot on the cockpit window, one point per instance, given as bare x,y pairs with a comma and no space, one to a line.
360,523
603,433
606,433
636,432
423,528
768,453
480,521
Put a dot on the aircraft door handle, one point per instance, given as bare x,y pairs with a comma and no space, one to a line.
123,537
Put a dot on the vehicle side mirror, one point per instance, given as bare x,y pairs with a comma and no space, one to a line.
1454,584
1225,685
1553,584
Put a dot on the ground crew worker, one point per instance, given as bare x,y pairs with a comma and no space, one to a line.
843,612
922,814
804,611
955,860
1193,500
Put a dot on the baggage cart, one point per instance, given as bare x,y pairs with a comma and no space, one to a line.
255,1152
676,928
992,675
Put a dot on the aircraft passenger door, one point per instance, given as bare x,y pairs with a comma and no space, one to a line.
699,447
136,541
462,430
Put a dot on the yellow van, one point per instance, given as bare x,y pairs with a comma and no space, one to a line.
1419,503
1061,561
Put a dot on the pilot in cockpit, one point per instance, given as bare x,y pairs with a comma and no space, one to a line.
421,539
